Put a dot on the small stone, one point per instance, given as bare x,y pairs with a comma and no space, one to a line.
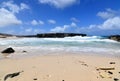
110,72
112,62
24,51
35,79
118,72
116,79
63,80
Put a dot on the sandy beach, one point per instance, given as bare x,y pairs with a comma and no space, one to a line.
67,67
59,40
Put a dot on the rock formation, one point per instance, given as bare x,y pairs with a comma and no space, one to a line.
115,37
58,35
8,50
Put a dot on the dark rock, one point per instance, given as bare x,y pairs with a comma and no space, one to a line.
11,75
8,50
110,72
63,80
24,51
58,35
116,79
115,37
35,79
112,62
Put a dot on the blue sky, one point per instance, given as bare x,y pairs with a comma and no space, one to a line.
92,17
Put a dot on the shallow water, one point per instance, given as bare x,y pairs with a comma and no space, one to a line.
77,44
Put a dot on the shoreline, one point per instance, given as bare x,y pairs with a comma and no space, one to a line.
28,51
67,67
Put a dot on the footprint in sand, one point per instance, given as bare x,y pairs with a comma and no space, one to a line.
47,76
83,63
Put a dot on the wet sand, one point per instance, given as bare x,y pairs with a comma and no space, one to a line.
62,67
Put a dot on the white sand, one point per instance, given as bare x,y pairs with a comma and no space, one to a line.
60,68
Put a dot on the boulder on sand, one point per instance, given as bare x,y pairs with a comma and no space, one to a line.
8,50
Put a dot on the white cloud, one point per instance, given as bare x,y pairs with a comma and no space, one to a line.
35,22
74,19
112,23
105,15
109,13
51,21
14,8
73,24
109,26
8,11
63,28
24,6
7,18
59,3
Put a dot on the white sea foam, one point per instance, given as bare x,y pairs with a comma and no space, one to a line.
78,44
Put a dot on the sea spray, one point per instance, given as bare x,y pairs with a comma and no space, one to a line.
96,44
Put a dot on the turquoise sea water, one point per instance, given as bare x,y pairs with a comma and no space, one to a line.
95,44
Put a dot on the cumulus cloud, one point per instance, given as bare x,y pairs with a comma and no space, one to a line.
105,15
14,7
7,18
35,22
63,28
109,24
8,11
109,13
59,3
73,24
51,21
112,23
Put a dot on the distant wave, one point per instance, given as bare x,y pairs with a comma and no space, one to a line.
81,39
76,44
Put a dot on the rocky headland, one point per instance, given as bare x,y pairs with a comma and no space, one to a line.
2,35
115,37
53,35
59,35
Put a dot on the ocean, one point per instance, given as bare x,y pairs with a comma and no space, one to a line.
76,44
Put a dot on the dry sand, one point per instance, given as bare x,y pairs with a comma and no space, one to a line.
61,68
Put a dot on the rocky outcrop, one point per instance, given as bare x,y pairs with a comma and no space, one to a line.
58,35
115,37
8,50
44,35
5,35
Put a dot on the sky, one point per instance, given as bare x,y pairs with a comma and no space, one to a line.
30,17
